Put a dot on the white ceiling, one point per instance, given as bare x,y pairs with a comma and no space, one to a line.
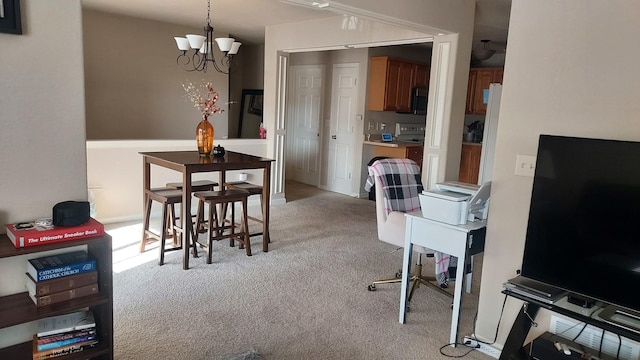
246,19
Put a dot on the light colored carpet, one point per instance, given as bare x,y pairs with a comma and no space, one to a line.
306,298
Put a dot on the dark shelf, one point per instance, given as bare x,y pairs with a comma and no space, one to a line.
18,308
580,317
24,351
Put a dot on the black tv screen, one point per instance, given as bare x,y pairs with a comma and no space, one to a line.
583,233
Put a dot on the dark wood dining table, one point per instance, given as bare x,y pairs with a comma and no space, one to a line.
190,162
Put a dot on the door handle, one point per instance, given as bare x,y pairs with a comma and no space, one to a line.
334,137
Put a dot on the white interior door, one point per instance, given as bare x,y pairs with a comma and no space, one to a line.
304,113
344,101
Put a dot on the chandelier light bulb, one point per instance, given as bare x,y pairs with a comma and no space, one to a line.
196,41
225,43
182,42
206,48
234,48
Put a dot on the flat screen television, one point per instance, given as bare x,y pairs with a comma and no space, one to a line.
583,232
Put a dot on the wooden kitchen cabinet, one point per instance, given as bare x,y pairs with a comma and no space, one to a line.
422,76
479,80
391,82
412,152
471,88
470,163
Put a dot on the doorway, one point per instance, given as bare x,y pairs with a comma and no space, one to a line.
342,141
321,148
304,113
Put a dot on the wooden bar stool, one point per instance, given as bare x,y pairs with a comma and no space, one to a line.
167,198
217,225
198,185
253,189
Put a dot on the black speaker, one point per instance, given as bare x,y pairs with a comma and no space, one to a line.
70,213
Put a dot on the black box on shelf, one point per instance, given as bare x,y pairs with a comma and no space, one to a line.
550,346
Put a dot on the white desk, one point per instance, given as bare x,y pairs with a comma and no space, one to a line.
455,240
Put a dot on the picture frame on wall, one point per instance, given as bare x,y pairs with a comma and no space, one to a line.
255,104
251,114
10,21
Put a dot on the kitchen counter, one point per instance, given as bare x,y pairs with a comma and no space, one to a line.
393,144
398,149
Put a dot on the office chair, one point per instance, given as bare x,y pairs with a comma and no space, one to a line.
390,214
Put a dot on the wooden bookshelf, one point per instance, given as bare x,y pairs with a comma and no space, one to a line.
18,308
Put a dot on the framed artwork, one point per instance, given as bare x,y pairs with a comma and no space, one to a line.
10,21
251,114
255,104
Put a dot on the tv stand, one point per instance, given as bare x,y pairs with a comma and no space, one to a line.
513,346
621,317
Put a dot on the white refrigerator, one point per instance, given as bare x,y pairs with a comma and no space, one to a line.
489,134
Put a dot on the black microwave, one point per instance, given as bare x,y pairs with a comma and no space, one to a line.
419,96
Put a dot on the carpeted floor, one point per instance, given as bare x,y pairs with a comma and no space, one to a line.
306,298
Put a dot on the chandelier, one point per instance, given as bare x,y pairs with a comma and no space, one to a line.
484,51
202,46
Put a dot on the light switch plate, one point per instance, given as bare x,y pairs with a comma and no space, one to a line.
525,165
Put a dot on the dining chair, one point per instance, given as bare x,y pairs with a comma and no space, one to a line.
167,198
198,185
253,189
218,228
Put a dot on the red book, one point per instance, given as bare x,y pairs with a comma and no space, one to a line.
26,234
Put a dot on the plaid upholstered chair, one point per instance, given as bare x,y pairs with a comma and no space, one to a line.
397,185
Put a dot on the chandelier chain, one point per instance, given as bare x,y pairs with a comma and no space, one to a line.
209,12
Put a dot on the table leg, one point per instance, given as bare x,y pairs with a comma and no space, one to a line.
266,196
406,282
221,209
457,297
146,184
185,211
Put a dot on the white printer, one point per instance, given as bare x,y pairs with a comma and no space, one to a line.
456,203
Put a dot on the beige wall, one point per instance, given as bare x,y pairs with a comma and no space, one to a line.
565,76
133,85
42,119
118,194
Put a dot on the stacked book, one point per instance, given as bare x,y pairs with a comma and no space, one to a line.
64,334
42,232
61,277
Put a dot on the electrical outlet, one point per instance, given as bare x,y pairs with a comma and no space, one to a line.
485,348
472,343
370,126
525,165
489,350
